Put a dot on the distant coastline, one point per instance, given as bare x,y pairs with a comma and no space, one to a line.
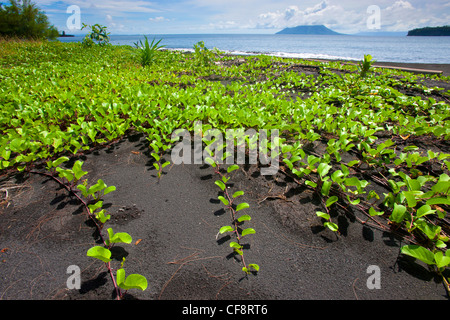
430,31
64,35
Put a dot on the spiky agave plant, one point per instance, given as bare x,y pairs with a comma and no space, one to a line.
148,50
364,66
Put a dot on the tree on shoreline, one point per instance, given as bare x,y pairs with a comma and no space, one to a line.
24,19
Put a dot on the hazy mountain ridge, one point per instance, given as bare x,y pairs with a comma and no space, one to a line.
323,30
313,29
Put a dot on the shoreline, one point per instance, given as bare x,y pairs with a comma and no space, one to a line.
430,68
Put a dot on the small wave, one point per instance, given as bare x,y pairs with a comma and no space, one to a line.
278,54
312,56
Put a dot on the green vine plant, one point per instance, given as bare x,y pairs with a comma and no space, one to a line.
203,56
228,200
159,147
97,35
92,203
414,205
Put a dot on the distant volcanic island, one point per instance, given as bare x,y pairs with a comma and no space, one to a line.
313,30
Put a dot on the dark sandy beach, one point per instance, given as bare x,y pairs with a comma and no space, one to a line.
445,68
433,68
174,224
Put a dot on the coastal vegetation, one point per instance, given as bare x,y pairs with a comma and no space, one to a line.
370,143
24,19
430,31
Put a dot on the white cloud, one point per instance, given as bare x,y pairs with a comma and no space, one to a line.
400,5
110,6
158,19
321,13
340,16
261,16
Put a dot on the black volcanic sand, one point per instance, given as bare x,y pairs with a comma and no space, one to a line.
436,67
174,223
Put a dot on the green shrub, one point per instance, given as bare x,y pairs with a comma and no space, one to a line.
25,20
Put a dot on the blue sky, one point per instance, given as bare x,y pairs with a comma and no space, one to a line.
245,16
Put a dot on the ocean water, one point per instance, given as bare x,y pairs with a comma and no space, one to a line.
346,47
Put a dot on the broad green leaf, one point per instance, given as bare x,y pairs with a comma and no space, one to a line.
332,226
323,215
220,184
235,245
156,156
353,202
419,253
373,213
237,194
248,231
326,186
323,169
224,201
101,216
133,281
83,190
232,168
165,164
109,189
399,213
6,154
244,217
100,253
211,162
424,210
442,187
16,144
226,229
430,230
97,205
77,171
439,200
122,237
337,176
411,197
410,148
254,266
241,206
331,200
100,185
65,173
60,160
352,163
311,183
440,244
441,260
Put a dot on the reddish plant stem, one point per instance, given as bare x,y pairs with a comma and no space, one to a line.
71,191
118,293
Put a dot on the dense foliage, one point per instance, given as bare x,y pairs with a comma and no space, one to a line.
24,19
346,132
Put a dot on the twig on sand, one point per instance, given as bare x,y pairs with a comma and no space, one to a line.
183,262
